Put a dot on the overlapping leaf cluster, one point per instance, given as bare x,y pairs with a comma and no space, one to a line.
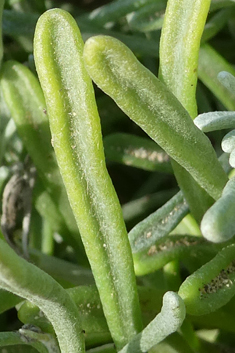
132,136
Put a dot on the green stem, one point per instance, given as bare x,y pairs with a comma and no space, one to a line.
48,209
47,238
76,136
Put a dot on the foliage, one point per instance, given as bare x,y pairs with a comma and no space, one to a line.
117,234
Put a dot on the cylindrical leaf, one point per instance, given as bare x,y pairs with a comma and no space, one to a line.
218,223
151,105
77,141
212,285
27,281
166,322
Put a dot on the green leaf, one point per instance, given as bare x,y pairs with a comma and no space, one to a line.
166,322
136,151
113,11
15,339
212,285
217,4
62,271
137,209
216,23
29,282
211,63
7,300
108,348
170,248
154,108
227,80
215,121
1,41
228,142
19,23
88,302
77,140
218,224
148,18
179,47
158,224
26,103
